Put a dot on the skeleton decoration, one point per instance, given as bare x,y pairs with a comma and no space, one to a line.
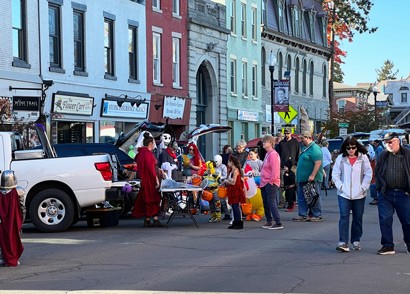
165,140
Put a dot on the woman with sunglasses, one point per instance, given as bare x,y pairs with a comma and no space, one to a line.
352,175
192,161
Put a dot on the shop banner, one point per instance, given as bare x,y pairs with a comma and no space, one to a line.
111,108
174,107
73,105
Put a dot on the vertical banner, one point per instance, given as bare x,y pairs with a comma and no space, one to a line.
282,96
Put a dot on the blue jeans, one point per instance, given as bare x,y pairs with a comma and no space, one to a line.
326,179
237,215
357,208
388,203
373,191
302,205
270,205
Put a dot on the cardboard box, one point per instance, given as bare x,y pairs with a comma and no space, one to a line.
103,217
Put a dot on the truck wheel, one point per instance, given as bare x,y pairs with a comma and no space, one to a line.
52,210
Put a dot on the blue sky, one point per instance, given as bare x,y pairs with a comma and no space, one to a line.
391,41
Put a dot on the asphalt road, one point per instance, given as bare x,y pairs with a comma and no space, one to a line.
301,258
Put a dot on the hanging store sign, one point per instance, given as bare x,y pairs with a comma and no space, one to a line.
174,107
73,105
21,103
111,108
248,115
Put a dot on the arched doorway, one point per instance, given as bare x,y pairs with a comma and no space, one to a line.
205,104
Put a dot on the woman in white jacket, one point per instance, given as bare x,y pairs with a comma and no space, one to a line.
352,175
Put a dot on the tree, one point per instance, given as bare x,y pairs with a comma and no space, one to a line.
345,18
338,74
386,72
359,121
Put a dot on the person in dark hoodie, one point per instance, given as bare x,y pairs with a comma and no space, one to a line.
289,182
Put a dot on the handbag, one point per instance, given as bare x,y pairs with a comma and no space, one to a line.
310,193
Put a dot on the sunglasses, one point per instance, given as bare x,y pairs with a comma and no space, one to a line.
351,147
190,149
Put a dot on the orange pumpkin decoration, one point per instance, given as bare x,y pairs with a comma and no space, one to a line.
222,192
246,208
207,195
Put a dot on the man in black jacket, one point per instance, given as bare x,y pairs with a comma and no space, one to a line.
288,149
392,183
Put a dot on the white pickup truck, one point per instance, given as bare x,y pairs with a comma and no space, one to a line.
57,189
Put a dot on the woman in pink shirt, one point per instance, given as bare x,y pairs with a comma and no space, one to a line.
270,182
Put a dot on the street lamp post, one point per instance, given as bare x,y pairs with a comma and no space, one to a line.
375,101
272,62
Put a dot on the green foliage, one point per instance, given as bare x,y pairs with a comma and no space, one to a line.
338,74
386,72
359,121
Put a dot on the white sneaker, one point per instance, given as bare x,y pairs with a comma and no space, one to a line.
342,247
356,245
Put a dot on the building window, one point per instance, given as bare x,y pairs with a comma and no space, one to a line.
175,7
254,24
312,16
233,76
54,27
263,61
79,48
296,21
341,105
244,79
280,66
264,16
109,46
304,77
403,97
297,69
156,4
233,17
324,86
133,52
156,47
280,15
311,75
19,29
254,80
176,62
243,20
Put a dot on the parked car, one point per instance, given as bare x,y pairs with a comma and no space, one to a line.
125,169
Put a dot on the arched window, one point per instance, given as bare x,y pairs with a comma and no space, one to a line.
304,76
297,75
288,69
311,72
324,80
280,66
263,58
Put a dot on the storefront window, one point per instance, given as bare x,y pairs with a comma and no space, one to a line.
110,130
75,132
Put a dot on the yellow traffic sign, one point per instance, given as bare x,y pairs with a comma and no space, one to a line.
288,116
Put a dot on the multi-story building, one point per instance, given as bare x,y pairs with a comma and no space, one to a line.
207,70
167,63
94,52
398,99
244,88
294,31
349,98
21,83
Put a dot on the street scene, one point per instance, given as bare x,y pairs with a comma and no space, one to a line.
301,258
204,146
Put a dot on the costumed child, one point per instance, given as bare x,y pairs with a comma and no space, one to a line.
12,211
217,172
290,186
236,193
254,162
